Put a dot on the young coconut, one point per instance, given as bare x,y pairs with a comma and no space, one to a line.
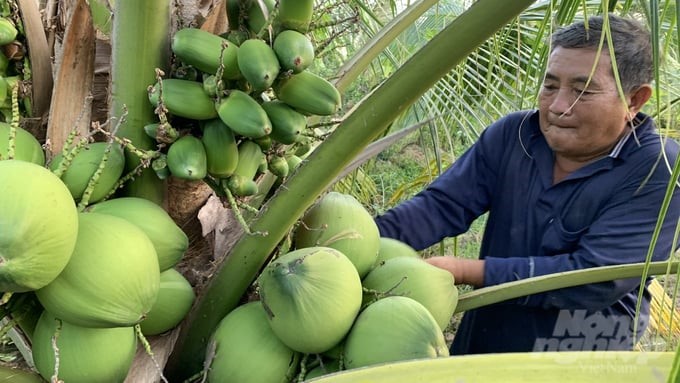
168,239
38,226
112,279
247,351
26,146
84,165
174,300
340,221
412,277
392,248
393,329
312,297
86,355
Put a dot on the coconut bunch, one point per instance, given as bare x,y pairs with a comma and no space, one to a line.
97,270
235,106
342,298
12,54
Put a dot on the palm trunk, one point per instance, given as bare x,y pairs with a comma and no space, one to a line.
139,46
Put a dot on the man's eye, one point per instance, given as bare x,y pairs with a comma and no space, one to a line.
549,87
583,92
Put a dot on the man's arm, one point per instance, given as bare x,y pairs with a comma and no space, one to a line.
448,206
465,271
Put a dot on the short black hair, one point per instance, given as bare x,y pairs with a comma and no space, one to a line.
631,40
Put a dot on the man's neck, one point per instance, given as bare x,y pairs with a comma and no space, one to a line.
564,166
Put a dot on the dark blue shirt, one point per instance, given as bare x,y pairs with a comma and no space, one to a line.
602,214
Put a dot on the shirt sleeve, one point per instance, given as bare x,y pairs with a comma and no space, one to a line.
449,205
622,234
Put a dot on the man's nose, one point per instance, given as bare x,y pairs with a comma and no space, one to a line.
562,101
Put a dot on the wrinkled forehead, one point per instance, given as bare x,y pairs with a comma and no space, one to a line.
576,65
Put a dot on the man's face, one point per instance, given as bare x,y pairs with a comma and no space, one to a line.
580,122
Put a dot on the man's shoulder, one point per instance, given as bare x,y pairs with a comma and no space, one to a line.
517,118
647,141
520,125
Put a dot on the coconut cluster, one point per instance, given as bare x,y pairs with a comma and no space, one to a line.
92,275
343,298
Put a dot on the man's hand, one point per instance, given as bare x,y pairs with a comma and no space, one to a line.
465,271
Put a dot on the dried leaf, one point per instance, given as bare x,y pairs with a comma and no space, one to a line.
216,21
71,105
217,219
40,57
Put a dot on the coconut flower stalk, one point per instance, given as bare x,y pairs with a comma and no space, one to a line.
494,294
139,46
358,129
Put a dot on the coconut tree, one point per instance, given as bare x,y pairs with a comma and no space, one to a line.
441,69
518,45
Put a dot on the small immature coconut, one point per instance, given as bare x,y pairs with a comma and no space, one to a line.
38,226
393,329
339,221
112,278
312,297
247,351
294,50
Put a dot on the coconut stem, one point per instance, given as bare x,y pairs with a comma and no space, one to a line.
235,208
15,122
55,349
149,351
94,180
165,133
219,84
267,27
303,369
68,154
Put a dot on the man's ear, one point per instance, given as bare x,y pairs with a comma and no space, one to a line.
639,97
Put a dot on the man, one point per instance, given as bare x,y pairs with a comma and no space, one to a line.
578,183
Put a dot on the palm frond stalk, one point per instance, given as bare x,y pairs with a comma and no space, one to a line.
494,294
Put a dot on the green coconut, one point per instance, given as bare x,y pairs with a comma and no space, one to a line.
168,239
256,18
312,296
247,351
393,329
392,248
38,226
112,279
85,163
174,300
339,221
327,367
294,50
87,355
432,286
26,146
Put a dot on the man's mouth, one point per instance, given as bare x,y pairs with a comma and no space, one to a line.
552,124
